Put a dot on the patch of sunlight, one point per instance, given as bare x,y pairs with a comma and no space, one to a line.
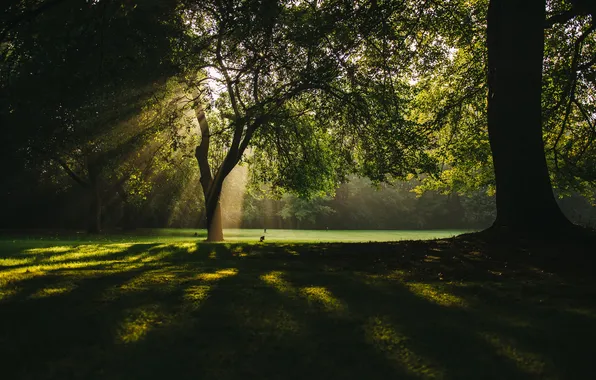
195,295
10,278
58,254
325,298
56,249
12,262
121,267
275,279
138,323
386,338
239,251
432,259
378,279
148,279
217,275
434,294
53,290
150,257
528,362
90,250
213,255
188,247
5,294
41,268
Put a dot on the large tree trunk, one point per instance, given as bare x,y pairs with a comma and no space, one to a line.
212,194
525,201
211,186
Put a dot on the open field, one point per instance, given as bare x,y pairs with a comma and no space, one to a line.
445,309
246,235
278,235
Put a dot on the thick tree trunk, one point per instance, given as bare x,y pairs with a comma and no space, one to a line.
211,186
212,196
525,201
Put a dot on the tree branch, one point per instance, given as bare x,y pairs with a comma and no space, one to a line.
560,18
70,172
587,65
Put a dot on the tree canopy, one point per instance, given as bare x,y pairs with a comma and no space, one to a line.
304,93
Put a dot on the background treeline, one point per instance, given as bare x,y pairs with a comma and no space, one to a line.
172,199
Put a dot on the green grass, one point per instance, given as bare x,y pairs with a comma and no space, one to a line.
279,235
141,308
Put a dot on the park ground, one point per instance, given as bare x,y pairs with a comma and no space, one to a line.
172,306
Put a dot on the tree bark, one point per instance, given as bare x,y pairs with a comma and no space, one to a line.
213,212
211,186
515,40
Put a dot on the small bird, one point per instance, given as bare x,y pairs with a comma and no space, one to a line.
196,234
262,239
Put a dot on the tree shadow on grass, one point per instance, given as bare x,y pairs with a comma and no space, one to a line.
281,311
80,254
244,328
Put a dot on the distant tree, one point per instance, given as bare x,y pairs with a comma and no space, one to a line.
305,211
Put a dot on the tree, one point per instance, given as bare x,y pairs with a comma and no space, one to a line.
515,41
299,84
76,80
540,135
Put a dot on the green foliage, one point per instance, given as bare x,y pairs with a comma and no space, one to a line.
313,104
568,106
305,210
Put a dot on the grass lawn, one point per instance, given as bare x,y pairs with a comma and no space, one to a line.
243,235
293,236
176,308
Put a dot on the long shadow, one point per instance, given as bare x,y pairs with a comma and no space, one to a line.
444,336
139,322
34,333
54,258
454,337
563,338
248,329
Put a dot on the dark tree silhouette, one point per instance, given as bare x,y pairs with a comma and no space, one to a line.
525,200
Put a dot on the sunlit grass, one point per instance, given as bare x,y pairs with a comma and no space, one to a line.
54,290
528,362
283,235
138,322
209,277
387,338
196,294
159,309
276,280
435,294
323,297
